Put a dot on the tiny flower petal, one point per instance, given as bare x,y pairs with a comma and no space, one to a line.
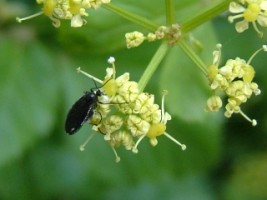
76,21
236,8
241,26
262,20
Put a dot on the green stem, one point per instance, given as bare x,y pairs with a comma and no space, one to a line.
149,25
170,12
193,56
153,65
209,13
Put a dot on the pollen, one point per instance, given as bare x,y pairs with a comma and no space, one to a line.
156,130
252,12
110,87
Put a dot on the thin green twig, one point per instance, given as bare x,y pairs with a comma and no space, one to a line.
209,13
153,65
149,25
193,56
170,12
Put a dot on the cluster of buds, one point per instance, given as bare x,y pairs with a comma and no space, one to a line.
235,80
73,10
126,115
172,34
252,11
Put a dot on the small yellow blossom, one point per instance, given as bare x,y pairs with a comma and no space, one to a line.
151,37
214,103
73,10
125,116
235,80
251,11
134,39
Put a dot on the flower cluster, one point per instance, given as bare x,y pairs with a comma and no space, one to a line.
127,115
252,11
73,10
235,79
172,34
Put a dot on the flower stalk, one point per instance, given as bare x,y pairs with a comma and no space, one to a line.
193,56
170,12
136,19
153,65
206,15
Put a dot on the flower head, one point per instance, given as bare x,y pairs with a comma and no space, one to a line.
235,80
251,11
73,10
128,115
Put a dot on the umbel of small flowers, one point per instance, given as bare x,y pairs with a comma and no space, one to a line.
73,10
251,11
125,116
235,80
171,33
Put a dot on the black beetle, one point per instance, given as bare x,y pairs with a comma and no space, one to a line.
81,111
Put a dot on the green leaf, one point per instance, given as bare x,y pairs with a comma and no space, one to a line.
248,178
28,96
165,188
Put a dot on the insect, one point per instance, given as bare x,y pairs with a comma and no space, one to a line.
81,111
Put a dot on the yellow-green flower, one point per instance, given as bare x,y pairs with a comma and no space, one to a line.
235,80
73,10
250,11
128,115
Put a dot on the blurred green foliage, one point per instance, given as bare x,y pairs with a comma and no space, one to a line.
225,158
